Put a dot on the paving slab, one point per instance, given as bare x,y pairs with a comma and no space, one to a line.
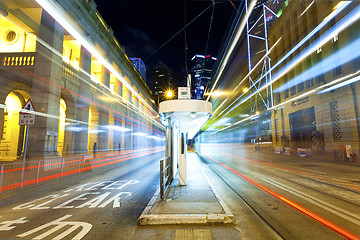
195,203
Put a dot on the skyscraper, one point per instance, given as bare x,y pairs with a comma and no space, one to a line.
140,66
201,74
162,81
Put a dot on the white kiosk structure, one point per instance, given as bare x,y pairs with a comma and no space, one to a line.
183,119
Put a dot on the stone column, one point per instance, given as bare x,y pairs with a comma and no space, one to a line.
105,76
45,92
82,108
103,134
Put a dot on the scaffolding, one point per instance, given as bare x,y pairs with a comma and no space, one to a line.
257,30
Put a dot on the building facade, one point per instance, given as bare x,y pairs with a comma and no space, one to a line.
311,110
86,92
140,66
201,74
163,78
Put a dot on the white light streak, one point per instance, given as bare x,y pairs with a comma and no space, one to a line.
232,47
57,12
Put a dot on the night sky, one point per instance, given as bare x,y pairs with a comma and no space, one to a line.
142,26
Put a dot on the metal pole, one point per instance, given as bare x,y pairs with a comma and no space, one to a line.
25,147
62,168
79,166
161,179
1,176
38,173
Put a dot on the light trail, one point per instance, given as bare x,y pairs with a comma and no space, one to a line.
296,171
77,170
59,14
232,46
349,19
293,204
88,100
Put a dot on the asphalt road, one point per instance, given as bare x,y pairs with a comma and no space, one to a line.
103,203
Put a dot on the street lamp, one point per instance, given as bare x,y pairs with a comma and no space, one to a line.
169,94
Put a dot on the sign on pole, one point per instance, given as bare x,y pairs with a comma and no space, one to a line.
183,93
26,118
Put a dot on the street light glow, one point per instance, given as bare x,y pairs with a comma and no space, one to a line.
169,94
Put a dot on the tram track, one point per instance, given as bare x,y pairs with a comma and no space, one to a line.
284,229
276,234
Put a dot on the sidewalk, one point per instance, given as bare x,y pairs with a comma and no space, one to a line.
195,203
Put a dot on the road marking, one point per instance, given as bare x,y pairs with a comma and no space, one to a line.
325,205
99,201
58,224
8,225
41,206
116,200
77,198
30,204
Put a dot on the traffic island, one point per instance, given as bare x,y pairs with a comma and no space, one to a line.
194,203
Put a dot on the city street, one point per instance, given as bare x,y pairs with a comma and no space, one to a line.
271,196
100,204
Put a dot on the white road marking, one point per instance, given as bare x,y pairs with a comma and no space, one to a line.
325,205
30,204
100,184
41,206
97,201
58,224
8,225
93,203
77,198
116,200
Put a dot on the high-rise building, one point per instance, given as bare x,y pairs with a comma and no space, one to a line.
201,74
162,81
140,66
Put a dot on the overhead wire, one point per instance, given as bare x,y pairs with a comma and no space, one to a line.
207,42
186,46
178,32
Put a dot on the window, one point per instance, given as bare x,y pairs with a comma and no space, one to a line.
286,92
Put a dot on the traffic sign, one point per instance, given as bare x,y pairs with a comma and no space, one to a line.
28,106
26,118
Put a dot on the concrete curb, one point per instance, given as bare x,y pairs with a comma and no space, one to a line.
167,219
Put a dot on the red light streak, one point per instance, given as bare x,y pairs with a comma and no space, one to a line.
89,100
102,163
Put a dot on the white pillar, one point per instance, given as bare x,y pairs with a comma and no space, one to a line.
182,159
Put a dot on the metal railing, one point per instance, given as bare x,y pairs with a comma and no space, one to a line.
17,59
165,175
18,175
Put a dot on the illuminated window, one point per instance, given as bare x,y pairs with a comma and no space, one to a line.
61,129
